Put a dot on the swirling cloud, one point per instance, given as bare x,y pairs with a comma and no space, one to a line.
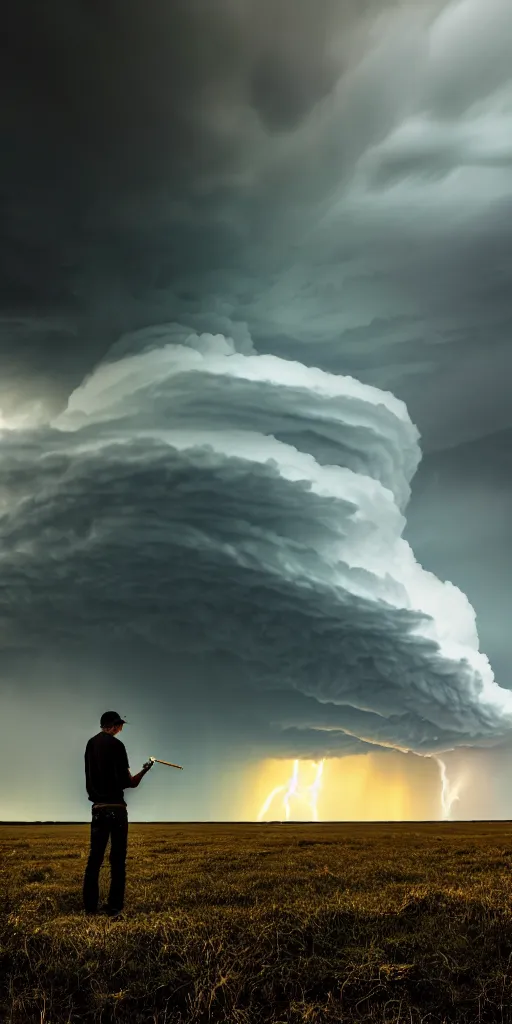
246,511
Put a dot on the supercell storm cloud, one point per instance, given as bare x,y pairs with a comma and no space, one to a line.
255,363
249,510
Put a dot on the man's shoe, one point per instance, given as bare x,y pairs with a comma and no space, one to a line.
113,912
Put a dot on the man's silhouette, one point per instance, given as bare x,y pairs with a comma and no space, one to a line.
107,775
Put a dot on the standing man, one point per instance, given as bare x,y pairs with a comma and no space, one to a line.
107,775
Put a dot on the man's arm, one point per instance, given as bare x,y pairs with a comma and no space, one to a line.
130,781
122,767
135,779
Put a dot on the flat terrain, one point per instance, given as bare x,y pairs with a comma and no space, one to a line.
262,923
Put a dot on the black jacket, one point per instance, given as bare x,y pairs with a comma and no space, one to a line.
107,772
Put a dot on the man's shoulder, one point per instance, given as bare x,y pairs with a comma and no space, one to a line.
97,738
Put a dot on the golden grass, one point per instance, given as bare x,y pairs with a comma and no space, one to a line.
262,923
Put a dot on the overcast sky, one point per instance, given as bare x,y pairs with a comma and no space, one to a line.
255,363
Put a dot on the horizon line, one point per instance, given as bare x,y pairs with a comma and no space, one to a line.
275,821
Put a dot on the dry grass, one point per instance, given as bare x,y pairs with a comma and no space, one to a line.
262,923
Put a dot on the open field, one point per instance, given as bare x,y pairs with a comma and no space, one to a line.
271,923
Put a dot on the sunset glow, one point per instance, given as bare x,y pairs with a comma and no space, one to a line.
372,787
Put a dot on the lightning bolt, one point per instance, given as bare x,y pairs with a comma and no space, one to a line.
268,801
315,789
293,789
449,792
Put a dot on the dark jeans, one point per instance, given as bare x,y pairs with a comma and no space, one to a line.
107,822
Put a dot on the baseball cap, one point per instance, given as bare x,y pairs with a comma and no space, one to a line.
111,718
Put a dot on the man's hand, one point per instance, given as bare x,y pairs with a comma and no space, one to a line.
148,764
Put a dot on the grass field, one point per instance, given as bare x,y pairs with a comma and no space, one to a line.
271,923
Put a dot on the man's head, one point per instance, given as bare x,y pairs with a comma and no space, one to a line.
111,722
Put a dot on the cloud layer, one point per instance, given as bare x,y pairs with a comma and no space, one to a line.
245,514
328,184
338,176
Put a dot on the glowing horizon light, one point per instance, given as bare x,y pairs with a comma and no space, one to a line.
376,786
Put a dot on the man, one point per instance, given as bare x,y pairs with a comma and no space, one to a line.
107,775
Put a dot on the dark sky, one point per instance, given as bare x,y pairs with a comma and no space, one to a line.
255,363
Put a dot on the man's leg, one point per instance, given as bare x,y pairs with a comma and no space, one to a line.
118,848
99,840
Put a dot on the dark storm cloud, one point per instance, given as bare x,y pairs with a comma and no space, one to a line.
146,147
192,526
323,181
